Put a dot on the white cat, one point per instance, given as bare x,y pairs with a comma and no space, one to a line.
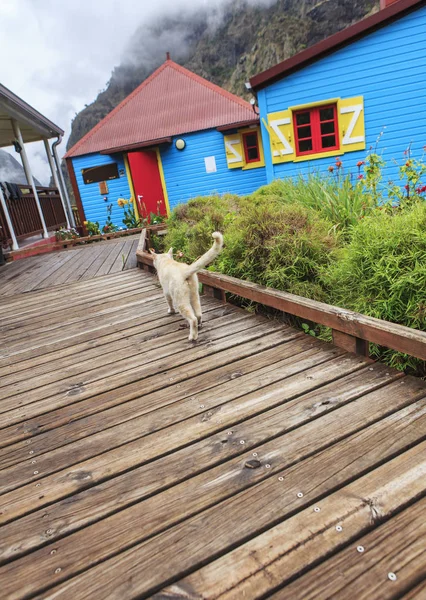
180,283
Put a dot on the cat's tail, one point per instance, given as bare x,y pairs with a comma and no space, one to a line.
208,257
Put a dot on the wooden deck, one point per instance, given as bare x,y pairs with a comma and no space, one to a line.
78,263
258,462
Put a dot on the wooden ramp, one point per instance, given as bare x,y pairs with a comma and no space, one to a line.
67,266
257,462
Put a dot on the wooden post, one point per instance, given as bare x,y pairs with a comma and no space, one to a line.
28,174
350,343
214,293
15,245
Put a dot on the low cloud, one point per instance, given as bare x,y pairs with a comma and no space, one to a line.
65,51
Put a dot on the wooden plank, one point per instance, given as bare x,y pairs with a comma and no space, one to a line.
175,354
108,262
396,547
131,262
416,593
54,456
114,358
384,333
81,288
174,377
286,550
102,377
87,337
62,311
135,326
144,481
76,332
197,539
120,261
102,307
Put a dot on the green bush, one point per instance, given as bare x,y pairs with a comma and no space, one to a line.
266,241
382,273
336,198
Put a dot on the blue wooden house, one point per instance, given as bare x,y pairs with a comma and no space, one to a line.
330,104
177,136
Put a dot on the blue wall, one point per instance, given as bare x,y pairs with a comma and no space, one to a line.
185,172
93,202
388,68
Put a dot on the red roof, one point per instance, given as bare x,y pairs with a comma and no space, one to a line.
385,16
172,101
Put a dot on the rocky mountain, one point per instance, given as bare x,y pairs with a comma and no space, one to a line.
11,170
226,44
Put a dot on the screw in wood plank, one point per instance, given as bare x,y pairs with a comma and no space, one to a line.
38,484
267,466
229,432
280,478
201,405
58,570
254,453
339,528
31,452
49,531
392,576
371,369
300,494
53,551
317,509
35,472
360,549
33,462
242,442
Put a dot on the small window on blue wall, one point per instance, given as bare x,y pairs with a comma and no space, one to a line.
100,173
251,147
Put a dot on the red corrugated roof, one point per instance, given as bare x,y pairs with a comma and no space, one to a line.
172,101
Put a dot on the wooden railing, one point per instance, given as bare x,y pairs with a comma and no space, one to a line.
351,331
25,216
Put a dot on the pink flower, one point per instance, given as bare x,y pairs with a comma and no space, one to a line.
331,168
338,163
407,187
360,163
361,176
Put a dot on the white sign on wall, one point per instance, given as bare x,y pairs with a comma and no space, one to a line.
210,163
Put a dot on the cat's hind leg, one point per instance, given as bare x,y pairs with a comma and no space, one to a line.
187,313
169,301
194,296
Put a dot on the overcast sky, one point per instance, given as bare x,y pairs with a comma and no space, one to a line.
57,55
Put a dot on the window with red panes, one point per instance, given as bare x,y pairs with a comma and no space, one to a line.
251,147
315,130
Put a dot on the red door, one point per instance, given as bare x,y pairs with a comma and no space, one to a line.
147,183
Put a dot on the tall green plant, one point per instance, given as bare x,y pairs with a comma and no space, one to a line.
382,273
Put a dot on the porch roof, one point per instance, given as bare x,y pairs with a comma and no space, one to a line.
33,125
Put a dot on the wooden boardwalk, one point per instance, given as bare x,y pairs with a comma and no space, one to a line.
258,462
77,263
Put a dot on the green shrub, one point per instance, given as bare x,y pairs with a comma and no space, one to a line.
336,198
266,241
382,273
191,225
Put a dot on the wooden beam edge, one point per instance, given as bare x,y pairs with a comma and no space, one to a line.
384,333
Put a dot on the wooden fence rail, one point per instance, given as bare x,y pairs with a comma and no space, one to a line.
25,216
351,331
